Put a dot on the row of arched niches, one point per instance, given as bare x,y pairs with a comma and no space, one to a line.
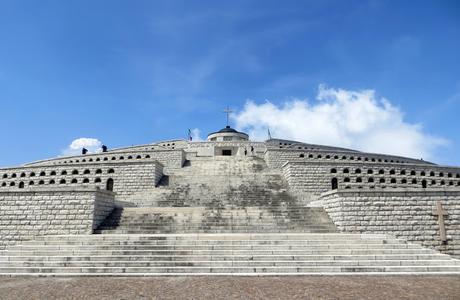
100,177
95,172
382,178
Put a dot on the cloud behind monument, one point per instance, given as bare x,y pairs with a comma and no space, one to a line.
91,144
339,117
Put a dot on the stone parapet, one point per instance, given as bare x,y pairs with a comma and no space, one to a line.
403,213
277,157
169,158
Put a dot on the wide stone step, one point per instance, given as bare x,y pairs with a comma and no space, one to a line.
389,257
208,247
212,243
214,226
171,242
380,251
218,212
214,217
220,225
227,236
204,231
237,218
110,225
225,209
222,218
136,218
224,263
237,254
123,271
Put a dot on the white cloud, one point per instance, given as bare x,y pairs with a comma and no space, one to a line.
196,135
93,146
353,119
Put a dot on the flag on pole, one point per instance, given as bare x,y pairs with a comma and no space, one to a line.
269,134
189,135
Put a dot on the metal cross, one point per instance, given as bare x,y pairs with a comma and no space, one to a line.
440,212
227,111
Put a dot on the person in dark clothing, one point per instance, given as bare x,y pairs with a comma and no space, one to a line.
245,151
252,150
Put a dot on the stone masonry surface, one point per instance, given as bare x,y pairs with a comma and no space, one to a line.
404,213
185,187
170,159
276,158
315,177
128,177
51,211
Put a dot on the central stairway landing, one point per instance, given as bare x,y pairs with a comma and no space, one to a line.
148,220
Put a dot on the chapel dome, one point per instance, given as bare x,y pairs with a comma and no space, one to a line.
227,129
228,134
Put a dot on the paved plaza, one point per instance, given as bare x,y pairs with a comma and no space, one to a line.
200,287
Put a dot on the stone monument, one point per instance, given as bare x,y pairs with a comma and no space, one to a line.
181,207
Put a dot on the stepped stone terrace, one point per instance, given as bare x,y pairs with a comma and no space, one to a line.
229,205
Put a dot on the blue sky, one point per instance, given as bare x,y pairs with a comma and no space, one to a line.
134,72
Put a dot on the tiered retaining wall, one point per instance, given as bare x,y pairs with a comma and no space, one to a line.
170,159
316,177
51,211
276,158
404,213
128,177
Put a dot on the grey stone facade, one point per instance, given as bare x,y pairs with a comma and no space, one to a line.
373,193
315,177
128,177
27,214
170,159
404,213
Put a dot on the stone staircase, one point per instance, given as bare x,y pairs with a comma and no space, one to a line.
218,195
211,220
222,254
218,182
220,216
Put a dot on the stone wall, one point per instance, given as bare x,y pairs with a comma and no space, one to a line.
211,148
163,145
276,158
103,205
170,159
128,177
404,213
316,177
51,211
